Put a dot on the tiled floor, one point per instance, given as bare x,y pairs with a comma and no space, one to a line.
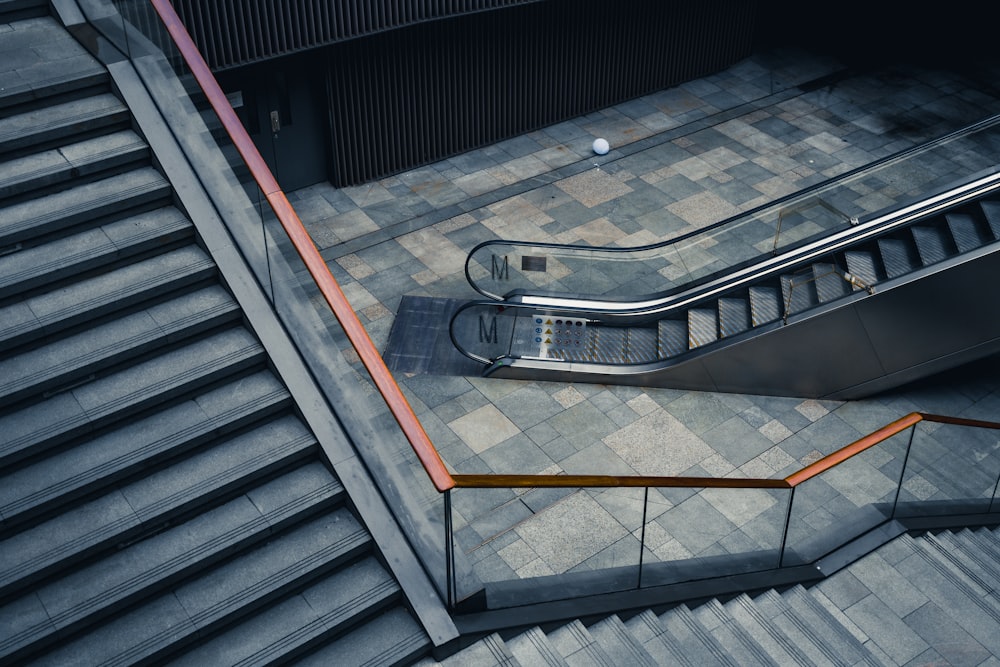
681,159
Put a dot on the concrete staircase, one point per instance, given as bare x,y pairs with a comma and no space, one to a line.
161,498
929,600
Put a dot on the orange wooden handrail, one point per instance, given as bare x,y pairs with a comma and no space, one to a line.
386,384
328,286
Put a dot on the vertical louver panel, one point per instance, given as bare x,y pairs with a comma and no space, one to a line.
419,94
239,32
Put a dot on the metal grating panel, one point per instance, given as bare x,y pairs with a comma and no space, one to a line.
830,283
861,264
898,257
640,347
608,345
991,211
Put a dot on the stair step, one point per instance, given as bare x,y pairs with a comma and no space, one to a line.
80,356
690,637
47,125
933,243
71,414
532,647
736,640
89,299
672,338
798,292
619,644
136,446
830,282
63,68
139,571
765,305
768,636
898,257
151,501
489,651
734,316
861,264
123,194
394,638
804,607
640,345
649,631
991,211
703,327
60,166
811,641
576,645
38,266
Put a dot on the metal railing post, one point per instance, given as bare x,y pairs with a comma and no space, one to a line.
449,553
902,473
642,534
784,533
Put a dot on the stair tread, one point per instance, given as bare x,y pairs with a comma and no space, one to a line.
94,297
33,428
151,500
733,637
63,67
823,624
154,563
660,640
148,632
576,645
991,211
798,292
54,122
619,644
766,634
35,267
66,360
532,647
59,165
83,204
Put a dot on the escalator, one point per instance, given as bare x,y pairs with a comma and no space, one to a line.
867,304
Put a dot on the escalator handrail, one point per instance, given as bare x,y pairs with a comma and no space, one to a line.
572,247
878,225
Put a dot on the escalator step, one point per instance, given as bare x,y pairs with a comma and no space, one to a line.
932,244
672,338
764,305
991,211
703,327
798,292
734,316
608,345
830,283
640,345
861,264
898,257
965,231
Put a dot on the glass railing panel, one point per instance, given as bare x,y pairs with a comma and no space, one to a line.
498,268
700,533
951,470
845,501
519,537
292,291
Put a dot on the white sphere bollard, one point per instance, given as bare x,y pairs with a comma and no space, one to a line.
601,146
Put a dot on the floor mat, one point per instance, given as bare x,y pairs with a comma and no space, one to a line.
419,340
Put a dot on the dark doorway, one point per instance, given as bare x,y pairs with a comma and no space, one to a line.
280,104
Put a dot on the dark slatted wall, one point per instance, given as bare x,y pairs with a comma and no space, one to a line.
419,94
237,32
